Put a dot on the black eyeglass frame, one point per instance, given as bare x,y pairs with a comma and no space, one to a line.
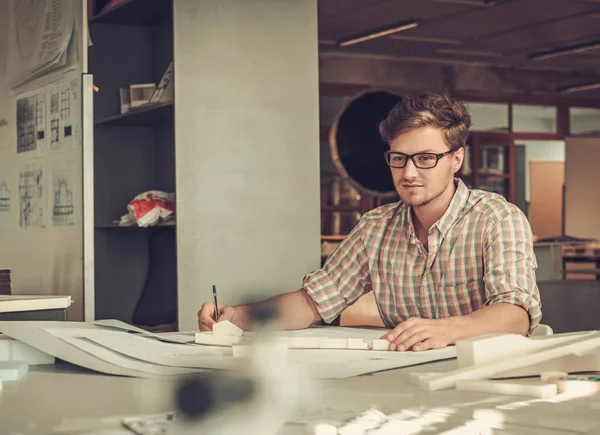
438,156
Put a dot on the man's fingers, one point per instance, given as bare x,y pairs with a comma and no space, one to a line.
412,337
204,326
405,336
227,313
425,345
402,327
409,342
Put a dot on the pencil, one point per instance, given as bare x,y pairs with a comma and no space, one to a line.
216,304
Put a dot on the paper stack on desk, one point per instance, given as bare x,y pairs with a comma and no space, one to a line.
114,347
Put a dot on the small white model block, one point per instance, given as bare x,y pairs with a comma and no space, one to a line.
13,370
511,388
301,342
210,339
227,328
488,370
380,344
334,343
357,344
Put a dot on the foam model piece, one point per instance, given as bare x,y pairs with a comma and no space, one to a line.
226,333
532,359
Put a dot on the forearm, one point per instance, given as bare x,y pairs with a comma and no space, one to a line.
294,310
496,318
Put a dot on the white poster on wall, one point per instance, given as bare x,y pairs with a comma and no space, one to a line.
39,33
64,113
32,195
65,199
8,196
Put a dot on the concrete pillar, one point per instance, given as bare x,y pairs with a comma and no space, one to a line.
247,149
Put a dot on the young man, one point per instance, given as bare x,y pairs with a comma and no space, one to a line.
444,263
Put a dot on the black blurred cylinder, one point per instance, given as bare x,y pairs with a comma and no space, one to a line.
356,146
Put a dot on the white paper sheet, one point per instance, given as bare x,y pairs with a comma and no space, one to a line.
345,363
78,338
366,333
39,34
65,197
31,333
8,196
113,350
167,337
64,113
157,352
32,195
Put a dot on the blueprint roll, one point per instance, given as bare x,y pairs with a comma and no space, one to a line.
356,147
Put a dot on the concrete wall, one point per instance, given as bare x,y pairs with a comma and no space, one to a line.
45,260
247,149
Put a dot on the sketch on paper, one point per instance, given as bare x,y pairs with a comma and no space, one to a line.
65,193
32,196
31,122
64,114
5,206
39,34
4,197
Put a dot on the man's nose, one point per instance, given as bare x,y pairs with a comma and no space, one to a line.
410,170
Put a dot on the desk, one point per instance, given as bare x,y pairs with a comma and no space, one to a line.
47,396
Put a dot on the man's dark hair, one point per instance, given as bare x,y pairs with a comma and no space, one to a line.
429,109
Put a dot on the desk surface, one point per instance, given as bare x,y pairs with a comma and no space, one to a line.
68,399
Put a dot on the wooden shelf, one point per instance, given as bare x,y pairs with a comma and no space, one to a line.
333,238
134,227
137,13
150,115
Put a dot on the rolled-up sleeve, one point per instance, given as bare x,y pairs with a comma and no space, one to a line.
343,279
510,266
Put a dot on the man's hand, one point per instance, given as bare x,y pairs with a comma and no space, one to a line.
206,316
421,334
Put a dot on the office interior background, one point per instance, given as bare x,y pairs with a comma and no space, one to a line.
264,140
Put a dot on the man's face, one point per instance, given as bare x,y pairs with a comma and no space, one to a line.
418,187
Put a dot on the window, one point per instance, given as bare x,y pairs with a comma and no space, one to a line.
534,119
489,117
584,121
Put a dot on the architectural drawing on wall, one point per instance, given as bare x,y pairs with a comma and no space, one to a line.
32,196
66,203
31,122
4,197
7,208
39,34
64,114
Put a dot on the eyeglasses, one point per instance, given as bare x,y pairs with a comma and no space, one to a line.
420,160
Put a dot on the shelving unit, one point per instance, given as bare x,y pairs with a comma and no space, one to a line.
149,116
134,152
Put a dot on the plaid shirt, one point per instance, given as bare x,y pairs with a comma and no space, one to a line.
480,253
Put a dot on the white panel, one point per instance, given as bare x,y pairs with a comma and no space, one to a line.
582,178
247,149
88,198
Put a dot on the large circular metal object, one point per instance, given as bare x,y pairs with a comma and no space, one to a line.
357,148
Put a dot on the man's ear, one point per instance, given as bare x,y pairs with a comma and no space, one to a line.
457,159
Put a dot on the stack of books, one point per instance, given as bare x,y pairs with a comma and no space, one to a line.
4,281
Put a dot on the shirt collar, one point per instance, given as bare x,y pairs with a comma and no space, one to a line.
454,211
